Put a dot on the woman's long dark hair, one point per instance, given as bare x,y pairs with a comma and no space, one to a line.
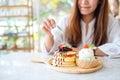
73,31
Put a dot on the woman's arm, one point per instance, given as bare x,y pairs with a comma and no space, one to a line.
112,48
49,42
47,27
98,52
54,37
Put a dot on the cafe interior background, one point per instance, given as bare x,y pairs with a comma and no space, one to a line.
20,21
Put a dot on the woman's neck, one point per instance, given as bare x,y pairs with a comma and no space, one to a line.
88,18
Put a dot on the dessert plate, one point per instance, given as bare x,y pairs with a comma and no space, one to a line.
75,69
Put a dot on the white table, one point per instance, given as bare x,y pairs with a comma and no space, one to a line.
17,66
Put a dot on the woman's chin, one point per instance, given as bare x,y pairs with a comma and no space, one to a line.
85,13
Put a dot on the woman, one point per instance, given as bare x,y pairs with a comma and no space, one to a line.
88,23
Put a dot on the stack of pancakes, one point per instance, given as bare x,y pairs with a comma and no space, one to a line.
64,57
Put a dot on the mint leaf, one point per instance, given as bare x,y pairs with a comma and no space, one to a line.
68,45
92,46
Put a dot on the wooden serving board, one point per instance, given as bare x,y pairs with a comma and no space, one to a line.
75,69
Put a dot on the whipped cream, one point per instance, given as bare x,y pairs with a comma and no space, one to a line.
86,54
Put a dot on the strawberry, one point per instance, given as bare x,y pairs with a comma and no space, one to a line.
86,46
69,55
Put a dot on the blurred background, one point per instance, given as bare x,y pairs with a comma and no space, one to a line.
20,22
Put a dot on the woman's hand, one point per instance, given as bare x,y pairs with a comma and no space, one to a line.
48,25
75,49
98,52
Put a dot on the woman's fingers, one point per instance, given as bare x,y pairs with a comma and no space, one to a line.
53,23
45,25
48,25
75,49
47,31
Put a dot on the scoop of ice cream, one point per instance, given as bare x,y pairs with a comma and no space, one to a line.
86,54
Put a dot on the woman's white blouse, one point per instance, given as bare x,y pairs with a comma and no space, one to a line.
112,48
